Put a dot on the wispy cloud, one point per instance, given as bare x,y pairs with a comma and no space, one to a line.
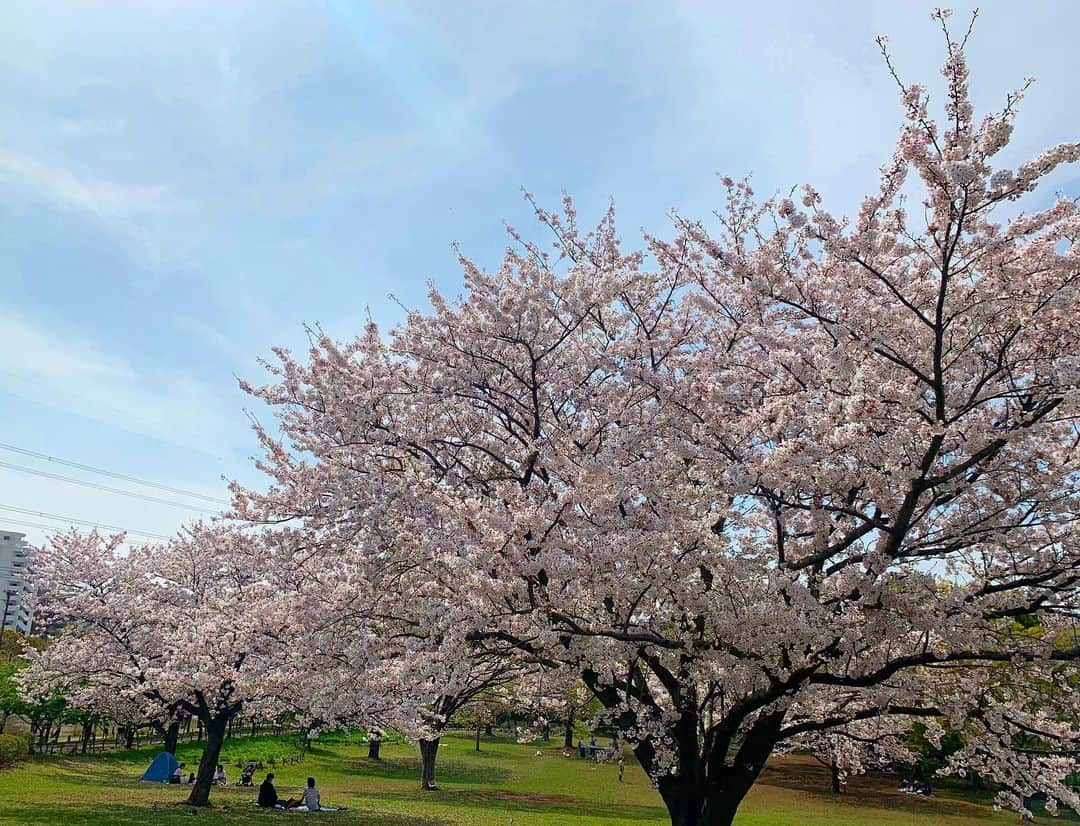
101,198
69,372
210,337
129,213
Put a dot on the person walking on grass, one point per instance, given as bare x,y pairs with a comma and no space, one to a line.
622,766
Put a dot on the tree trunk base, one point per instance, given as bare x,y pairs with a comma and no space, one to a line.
204,778
429,750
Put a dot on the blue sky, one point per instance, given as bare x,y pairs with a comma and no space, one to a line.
185,184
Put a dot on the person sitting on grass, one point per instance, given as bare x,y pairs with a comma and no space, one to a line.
178,775
311,796
268,798
311,800
219,776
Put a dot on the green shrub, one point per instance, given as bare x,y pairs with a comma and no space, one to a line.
13,748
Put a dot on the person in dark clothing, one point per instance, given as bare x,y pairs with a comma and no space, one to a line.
268,798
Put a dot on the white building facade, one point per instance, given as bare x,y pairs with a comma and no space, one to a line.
15,588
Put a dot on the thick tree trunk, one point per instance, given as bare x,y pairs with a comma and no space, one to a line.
129,737
373,748
708,792
171,737
690,802
429,750
720,809
568,731
689,805
834,776
204,778
682,801
478,737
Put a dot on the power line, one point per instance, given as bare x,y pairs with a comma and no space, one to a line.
74,521
106,488
25,524
112,474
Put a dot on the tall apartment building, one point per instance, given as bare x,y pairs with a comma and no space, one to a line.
15,588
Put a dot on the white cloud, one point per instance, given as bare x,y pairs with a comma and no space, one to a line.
101,198
62,371
131,213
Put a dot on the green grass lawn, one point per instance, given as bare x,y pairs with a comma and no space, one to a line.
505,783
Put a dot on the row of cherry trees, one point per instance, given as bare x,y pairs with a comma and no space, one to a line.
227,620
794,481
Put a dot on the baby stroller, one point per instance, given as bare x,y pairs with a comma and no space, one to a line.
247,773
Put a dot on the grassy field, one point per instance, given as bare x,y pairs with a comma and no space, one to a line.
505,784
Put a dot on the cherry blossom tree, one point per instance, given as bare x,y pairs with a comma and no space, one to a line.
453,688
554,698
390,655
199,626
788,478
418,693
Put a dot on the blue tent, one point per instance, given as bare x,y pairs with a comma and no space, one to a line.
161,769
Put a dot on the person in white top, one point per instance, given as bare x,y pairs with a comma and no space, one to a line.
311,796
219,776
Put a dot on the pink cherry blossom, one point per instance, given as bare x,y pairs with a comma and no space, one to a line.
783,484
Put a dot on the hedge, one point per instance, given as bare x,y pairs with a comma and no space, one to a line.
13,748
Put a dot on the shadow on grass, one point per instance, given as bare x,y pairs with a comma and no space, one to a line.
870,791
447,770
546,804
85,772
126,815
